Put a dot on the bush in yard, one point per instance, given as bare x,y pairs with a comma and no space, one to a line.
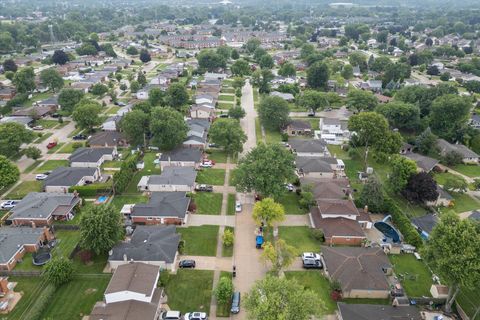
9,172
89,191
122,178
452,158
317,234
33,153
58,271
224,290
40,303
77,145
476,184
227,238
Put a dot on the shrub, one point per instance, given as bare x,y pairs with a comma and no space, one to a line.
41,302
59,271
317,234
227,238
91,190
284,137
123,177
77,145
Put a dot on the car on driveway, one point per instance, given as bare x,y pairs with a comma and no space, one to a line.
9,204
51,145
171,315
204,187
206,165
235,302
289,187
37,128
238,206
41,176
310,255
79,137
312,264
195,316
186,264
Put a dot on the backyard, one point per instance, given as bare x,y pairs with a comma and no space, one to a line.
214,177
290,202
199,241
208,203
119,201
414,275
300,238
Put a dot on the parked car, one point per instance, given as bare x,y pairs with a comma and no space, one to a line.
79,137
208,161
289,187
51,145
120,104
37,128
55,115
310,255
212,145
312,264
235,302
186,264
238,206
311,114
41,176
9,204
195,316
223,115
203,187
206,165
171,315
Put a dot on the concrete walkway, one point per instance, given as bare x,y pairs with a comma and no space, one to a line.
205,219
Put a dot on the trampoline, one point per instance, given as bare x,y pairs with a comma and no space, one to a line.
388,230
41,258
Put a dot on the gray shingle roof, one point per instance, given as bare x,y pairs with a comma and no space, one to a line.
174,176
182,154
377,312
426,222
106,138
423,162
149,243
134,277
40,205
446,147
11,239
308,145
89,154
312,164
68,176
163,204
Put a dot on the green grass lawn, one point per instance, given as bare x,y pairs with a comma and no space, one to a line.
25,188
32,166
76,298
315,281
56,148
149,169
214,177
300,238
51,165
72,146
113,110
232,177
469,300
290,201
199,241
119,201
219,156
338,151
224,97
62,124
366,301
112,164
224,105
258,130
67,241
464,202
94,266
231,204
188,290
47,124
228,251
272,136
227,90
208,203
44,137
441,178
30,288
469,170
414,275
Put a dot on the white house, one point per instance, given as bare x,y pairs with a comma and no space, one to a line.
171,179
333,131
111,124
92,157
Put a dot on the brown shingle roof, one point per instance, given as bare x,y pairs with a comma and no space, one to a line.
337,207
135,277
336,227
325,188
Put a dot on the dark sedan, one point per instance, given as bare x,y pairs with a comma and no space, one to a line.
186,264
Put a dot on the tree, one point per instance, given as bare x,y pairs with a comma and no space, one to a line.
429,42
132,51
259,53
33,153
452,158
224,290
7,43
68,98
252,45
265,169
317,75
452,250
210,60
176,96
347,71
142,80
426,141
59,270
9,173
432,70
372,195
156,97
274,298
145,56
134,86
267,211
135,126
280,255
235,54
400,115
273,112
10,65
360,100
240,68
421,188
24,80
98,89
228,238
313,100
101,227
168,128
86,114
51,79
449,115
358,59
266,62
287,69
60,57
236,112
402,169
87,49
455,184
228,134
12,136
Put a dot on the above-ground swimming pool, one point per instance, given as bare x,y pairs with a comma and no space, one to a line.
388,231
101,199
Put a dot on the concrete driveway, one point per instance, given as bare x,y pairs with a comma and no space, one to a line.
205,219
209,263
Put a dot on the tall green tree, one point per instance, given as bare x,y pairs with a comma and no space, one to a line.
287,69
12,136
33,152
68,98
268,211
372,195
279,255
360,100
59,270
266,62
449,115
240,68
86,114
313,100
400,115
236,112
228,134
52,79
60,57
252,45
176,96
9,173
135,125
156,97
318,75
210,60
402,169
224,290
273,112
167,127
24,80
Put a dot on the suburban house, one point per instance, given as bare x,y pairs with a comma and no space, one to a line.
112,123
202,111
41,208
285,96
104,139
92,157
425,224
171,179
15,242
361,272
7,93
181,157
62,178
196,135
38,112
468,156
406,148
298,128
326,188
333,131
326,167
162,208
309,148
25,121
444,199
424,163
51,103
377,312
132,293
154,245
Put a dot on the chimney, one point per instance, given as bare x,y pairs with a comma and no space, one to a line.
4,285
365,209
33,225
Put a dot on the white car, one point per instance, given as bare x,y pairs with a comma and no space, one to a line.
310,255
238,206
195,316
289,186
9,204
206,165
171,315
41,176
37,128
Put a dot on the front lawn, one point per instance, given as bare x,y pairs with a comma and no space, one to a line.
219,156
258,131
300,238
214,177
315,281
43,137
32,166
414,275
76,299
112,164
119,201
56,148
72,146
231,179
290,201
208,203
47,124
469,170
441,178
272,136
188,290
67,240
224,97
231,204
224,105
24,188
464,202
228,251
51,165
199,241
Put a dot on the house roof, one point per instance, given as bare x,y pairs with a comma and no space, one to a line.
312,164
426,222
148,243
423,162
446,147
68,176
300,125
357,267
53,100
40,205
163,204
21,120
308,145
89,154
336,227
182,154
106,138
337,207
326,188
135,277
37,110
125,310
174,176
11,239
377,312
284,96
204,123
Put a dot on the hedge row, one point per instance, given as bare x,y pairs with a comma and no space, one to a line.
123,177
91,190
41,302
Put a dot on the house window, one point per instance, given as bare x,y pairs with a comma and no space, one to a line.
149,218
